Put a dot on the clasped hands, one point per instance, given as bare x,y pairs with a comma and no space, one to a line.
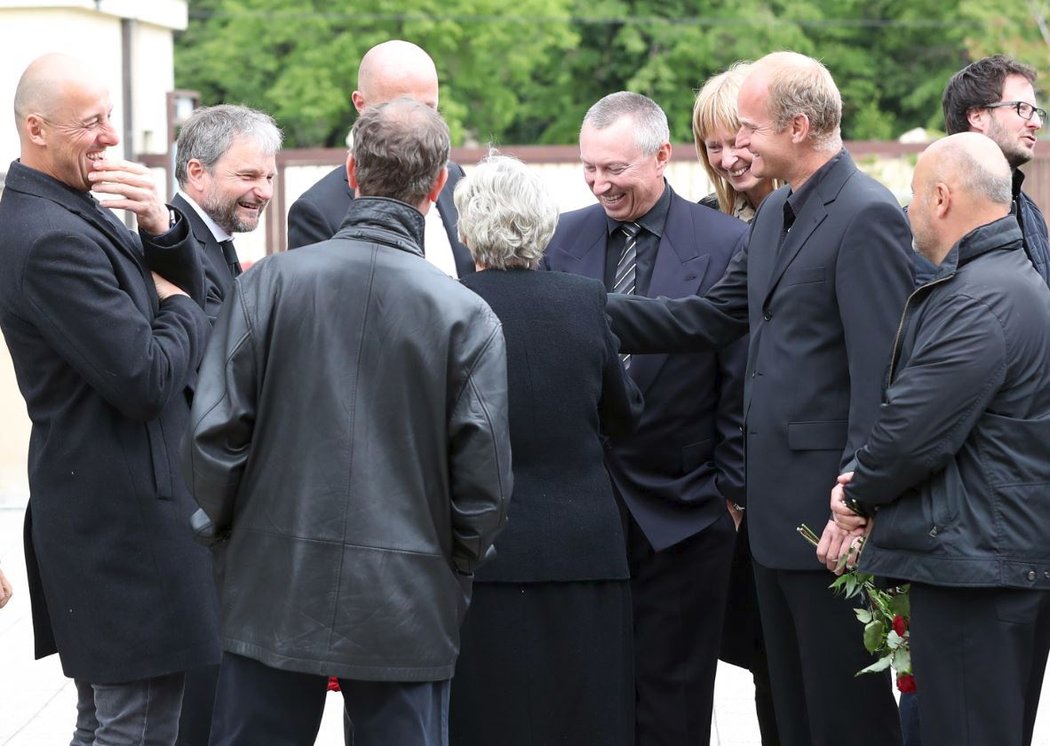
845,532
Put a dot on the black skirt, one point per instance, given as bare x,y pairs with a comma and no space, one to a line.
545,663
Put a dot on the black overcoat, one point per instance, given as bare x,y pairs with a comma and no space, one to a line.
119,588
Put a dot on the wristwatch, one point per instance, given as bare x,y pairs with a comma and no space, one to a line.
856,507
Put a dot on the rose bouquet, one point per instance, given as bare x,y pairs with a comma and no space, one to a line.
885,620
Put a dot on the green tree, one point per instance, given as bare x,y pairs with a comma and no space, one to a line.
297,59
527,72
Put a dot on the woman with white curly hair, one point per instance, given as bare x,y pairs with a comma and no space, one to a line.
546,645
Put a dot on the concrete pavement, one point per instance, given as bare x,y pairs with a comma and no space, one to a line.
38,704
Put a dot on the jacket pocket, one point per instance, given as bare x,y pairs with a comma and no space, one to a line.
696,455
828,435
163,479
802,276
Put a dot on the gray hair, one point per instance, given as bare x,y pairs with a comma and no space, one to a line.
802,85
506,215
650,130
210,132
400,148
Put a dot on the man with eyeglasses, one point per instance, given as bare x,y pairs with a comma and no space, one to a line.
995,96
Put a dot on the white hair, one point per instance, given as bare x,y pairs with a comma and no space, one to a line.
506,216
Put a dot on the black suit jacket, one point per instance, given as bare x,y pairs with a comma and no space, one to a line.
216,272
319,212
565,384
685,459
822,312
119,587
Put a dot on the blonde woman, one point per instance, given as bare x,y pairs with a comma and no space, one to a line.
737,191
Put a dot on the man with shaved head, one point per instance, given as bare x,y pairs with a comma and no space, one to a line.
388,71
104,351
951,486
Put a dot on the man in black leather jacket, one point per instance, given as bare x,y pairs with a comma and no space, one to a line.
358,499
957,463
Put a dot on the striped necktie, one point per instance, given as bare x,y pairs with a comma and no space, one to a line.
623,280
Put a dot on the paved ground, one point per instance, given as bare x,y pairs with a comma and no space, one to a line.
37,703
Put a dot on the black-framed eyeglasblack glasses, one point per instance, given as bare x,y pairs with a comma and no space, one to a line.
1024,109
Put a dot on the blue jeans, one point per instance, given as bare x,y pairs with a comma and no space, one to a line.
136,713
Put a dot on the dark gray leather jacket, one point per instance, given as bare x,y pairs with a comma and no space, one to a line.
349,430
958,461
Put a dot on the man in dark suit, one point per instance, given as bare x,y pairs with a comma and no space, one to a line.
388,71
225,163
103,352
676,473
819,287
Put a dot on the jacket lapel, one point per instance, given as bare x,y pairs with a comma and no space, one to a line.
584,257
677,272
813,214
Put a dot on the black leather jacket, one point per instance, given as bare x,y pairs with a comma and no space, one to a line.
958,459
350,431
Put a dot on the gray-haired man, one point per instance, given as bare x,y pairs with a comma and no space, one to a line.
225,165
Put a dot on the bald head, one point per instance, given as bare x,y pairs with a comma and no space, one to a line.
62,112
46,85
396,69
961,182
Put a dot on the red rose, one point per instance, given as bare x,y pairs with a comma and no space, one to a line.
900,625
905,681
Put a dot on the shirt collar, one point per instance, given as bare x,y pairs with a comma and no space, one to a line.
654,220
797,200
219,233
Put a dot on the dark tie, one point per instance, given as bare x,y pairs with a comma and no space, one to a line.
230,255
789,220
623,280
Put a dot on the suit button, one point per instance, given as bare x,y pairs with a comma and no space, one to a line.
1031,574
767,315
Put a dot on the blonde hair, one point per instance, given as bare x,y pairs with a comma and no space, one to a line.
714,110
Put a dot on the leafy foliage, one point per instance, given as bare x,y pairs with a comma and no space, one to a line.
526,72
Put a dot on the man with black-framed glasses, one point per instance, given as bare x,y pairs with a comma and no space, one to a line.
995,96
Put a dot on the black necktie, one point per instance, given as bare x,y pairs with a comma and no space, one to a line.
623,280
230,255
789,220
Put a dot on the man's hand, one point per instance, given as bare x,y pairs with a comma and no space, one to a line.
5,590
736,515
134,189
845,518
838,548
165,289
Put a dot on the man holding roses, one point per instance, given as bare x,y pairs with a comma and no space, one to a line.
956,466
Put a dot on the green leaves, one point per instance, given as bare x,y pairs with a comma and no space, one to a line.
526,72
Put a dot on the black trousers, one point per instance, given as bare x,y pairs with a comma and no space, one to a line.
198,699
256,704
814,644
679,598
979,655
543,664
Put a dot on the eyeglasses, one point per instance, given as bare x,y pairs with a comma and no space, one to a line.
1024,109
